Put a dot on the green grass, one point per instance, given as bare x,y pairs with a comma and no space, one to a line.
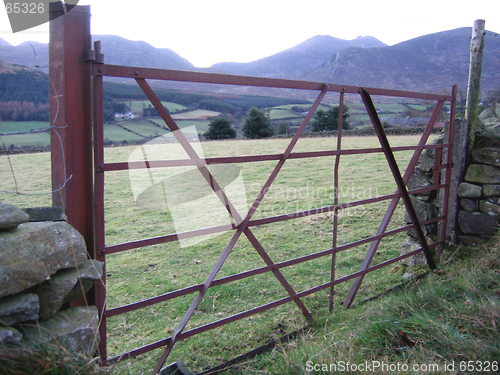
201,125
20,126
44,359
115,133
32,176
36,139
449,318
143,127
195,115
418,107
137,106
25,140
283,112
302,184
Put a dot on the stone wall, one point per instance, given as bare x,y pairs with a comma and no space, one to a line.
478,191
426,205
43,266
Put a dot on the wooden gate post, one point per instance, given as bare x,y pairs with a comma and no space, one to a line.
70,117
474,85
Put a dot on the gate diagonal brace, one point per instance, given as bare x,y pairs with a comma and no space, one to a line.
223,197
401,184
242,228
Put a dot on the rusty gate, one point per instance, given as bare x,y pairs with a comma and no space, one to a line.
243,221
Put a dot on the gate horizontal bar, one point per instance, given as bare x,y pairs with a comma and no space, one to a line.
229,79
259,309
256,222
121,166
256,271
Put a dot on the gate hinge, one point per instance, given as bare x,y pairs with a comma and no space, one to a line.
94,55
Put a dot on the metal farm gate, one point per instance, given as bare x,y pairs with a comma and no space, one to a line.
243,222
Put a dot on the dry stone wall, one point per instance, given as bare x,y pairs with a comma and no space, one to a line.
43,266
478,192
426,206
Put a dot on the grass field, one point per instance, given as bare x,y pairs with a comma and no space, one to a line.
114,132
143,127
357,111
117,132
136,106
196,115
286,112
302,184
445,323
37,139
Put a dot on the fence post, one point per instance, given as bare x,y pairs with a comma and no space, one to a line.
70,116
474,85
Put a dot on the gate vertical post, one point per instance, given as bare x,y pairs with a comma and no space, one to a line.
474,85
70,117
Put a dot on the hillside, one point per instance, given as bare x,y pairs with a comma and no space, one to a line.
30,54
22,84
432,62
117,50
293,62
121,51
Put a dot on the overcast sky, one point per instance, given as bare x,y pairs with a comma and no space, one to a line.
205,32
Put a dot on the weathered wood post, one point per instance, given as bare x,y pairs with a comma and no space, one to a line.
474,85
70,117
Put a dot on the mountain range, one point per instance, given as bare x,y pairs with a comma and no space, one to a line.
431,63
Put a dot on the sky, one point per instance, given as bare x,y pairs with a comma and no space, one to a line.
206,32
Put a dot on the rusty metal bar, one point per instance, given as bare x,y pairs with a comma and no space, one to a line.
229,79
121,166
340,122
277,273
70,117
187,147
99,228
379,129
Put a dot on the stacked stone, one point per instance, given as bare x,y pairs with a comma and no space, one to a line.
43,266
479,194
425,204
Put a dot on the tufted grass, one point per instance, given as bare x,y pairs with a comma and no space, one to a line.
444,323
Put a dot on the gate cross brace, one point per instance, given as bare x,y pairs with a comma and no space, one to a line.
401,184
243,224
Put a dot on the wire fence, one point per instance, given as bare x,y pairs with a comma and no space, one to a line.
52,128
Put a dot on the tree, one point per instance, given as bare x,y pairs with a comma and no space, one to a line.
220,128
283,128
329,120
257,124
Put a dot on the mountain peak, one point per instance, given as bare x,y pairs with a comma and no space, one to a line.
4,43
294,61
